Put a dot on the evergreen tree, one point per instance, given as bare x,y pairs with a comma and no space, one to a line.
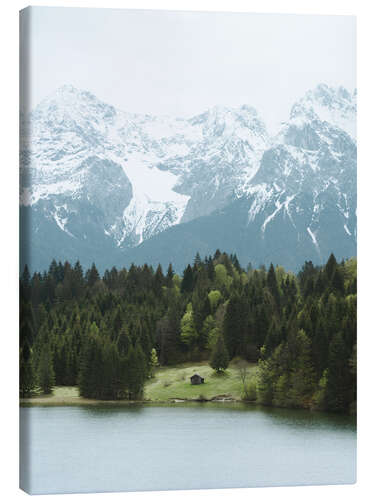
235,324
46,375
123,343
220,358
158,279
187,283
92,276
169,276
273,285
197,260
303,376
330,267
137,371
338,389
27,375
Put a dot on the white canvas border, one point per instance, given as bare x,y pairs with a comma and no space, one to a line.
9,233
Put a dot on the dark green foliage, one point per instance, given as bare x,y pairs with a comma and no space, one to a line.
123,343
27,372
338,389
235,324
273,285
187,284
220,358
46,374
136,371
92,276
98,332
169,276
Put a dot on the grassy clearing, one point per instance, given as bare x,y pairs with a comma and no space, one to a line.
59,395
174,382
169,383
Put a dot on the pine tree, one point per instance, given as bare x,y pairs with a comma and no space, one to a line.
220,358
27,375
187,283
89,378
158,279
92,276
273,285
338,389
169,276
123,342
46,375
197,260
303,376
330,267
137,371
235,324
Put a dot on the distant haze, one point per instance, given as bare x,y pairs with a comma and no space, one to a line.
181,63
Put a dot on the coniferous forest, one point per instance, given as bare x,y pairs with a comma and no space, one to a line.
107,333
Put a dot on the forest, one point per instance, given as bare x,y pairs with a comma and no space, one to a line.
106,334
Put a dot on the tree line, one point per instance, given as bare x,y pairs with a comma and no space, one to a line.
107,333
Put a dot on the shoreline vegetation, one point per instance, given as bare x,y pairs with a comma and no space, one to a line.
266,336
168,385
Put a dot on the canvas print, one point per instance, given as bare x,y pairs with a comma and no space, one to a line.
188,250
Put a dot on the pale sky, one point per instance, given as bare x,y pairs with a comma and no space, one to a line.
181,63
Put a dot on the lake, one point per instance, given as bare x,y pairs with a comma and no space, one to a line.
184,446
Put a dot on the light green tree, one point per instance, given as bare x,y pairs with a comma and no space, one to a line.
189,334
214,297
154,362
222,278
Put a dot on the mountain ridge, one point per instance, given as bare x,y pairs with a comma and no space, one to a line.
113,180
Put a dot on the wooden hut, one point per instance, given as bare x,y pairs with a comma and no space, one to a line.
196,379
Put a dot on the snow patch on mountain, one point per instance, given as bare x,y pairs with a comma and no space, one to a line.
336,106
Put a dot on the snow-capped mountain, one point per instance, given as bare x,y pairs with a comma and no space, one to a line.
307,178
99,184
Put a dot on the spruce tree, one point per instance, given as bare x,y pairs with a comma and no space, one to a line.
137,371
123,342
46,375
187,283
220,358
27,375
330,267
338,388
273,285
169,276
92,276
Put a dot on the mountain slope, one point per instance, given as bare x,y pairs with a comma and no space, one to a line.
103,185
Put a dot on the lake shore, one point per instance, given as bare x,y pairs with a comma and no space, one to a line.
69,396
171,384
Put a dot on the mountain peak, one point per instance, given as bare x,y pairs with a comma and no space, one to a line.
68,89
68,103
335,105
330,96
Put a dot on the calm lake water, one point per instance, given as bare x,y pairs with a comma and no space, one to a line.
128,448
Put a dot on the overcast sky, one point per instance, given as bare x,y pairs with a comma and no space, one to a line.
181,63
